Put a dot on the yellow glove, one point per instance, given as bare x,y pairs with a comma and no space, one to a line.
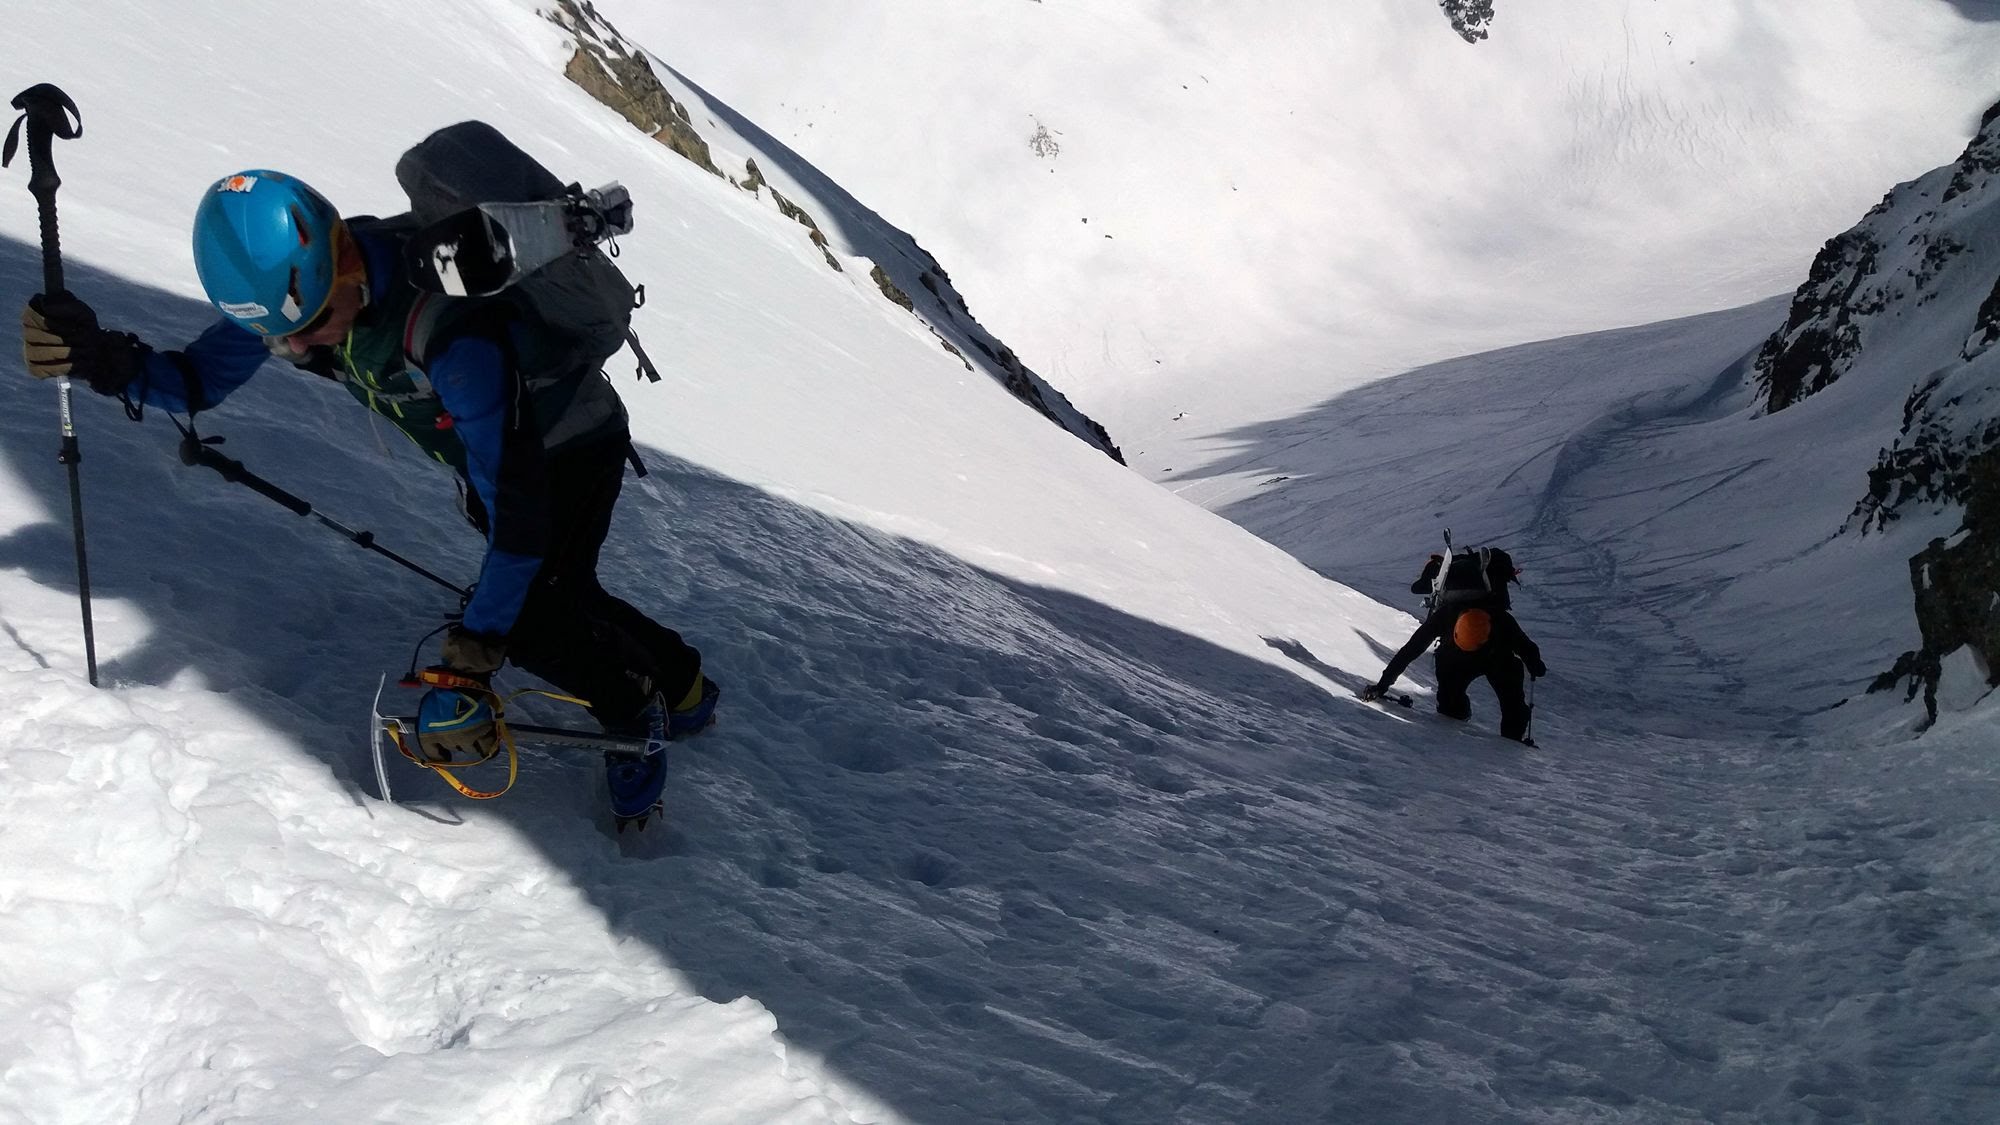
60,336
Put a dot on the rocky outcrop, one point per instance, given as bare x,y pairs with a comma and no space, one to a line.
622,79
1956,583
1822,336
1936,309
1468,17
1928,241
1986,329
1981,161
1914,291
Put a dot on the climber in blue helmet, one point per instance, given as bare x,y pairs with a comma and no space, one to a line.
538,436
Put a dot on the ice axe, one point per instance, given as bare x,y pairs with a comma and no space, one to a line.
49,113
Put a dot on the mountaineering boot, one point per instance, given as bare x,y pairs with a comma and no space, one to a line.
696,716
636,780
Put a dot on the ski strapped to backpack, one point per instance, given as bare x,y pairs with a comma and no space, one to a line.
496,222
1473,576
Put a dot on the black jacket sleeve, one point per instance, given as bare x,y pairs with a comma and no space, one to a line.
1426,635
1527,650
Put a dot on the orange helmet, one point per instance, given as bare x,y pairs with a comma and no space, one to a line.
1472,630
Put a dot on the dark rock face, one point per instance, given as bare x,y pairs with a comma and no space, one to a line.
1956,582
1928,239
1822,336
1949,260
1985,330
1468,17
1913,293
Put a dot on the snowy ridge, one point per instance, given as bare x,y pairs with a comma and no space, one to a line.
1915,287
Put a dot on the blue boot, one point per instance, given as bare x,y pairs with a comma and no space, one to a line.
681,724
637,780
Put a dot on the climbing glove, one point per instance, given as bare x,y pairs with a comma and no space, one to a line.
473,654
60,336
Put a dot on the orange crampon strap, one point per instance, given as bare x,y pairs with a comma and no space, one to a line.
504,737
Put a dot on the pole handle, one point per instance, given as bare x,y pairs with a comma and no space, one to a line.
48,114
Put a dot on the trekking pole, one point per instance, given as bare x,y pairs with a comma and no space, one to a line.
1528,735
49,113
646,369
197,450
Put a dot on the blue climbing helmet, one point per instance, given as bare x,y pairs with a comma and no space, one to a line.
266,247
444,711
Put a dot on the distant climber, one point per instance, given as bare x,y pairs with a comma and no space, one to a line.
1468,619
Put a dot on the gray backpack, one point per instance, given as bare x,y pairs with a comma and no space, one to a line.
470,185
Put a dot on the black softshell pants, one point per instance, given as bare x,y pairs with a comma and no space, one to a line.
1455,672
573,633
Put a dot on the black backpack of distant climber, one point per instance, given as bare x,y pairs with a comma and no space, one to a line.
1475,576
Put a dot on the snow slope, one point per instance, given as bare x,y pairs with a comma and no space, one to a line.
1231,211
1040,795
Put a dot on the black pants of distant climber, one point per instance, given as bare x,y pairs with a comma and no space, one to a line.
1456,671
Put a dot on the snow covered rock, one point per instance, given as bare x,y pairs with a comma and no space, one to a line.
1878,287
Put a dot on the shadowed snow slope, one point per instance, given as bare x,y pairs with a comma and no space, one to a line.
1039,794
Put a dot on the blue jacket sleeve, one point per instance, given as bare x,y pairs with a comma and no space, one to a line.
202,374
476,380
